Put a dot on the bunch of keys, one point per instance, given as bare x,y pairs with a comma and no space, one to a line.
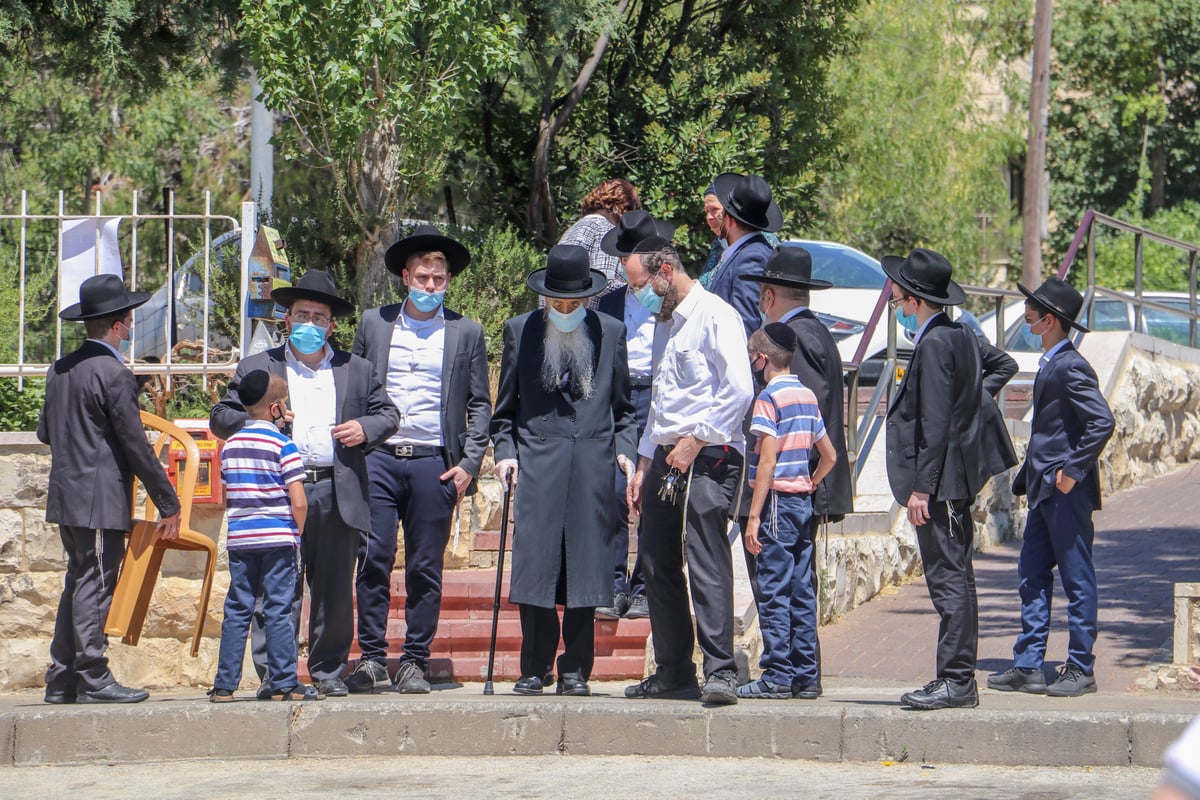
672,484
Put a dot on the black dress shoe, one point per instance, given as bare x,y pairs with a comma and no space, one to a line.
658,687
941,693
59,697
332,687
532,684
114,693
573,685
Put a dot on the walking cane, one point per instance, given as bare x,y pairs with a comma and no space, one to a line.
487,687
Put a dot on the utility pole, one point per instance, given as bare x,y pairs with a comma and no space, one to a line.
262,154
1036,191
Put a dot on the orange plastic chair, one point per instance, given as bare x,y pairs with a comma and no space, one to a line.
144,554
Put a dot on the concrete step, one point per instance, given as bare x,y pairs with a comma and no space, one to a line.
852,722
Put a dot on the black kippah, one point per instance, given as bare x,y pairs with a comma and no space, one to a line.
781,334
253,387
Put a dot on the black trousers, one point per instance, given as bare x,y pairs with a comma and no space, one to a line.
78,660
406,490
541,633
709,564
947,543
328,548
625,580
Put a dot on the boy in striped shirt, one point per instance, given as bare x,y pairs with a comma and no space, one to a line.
787,424
264,491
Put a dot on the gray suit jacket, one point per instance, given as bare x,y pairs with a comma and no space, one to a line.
360,396
466,399
97,443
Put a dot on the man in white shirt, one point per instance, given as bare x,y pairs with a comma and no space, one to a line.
433,363
338,411
702,389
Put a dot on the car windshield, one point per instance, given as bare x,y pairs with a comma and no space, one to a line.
844,267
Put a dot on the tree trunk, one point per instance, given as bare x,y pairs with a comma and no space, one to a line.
375,284
541,217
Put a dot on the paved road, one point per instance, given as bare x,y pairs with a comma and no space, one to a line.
1147,539
579,778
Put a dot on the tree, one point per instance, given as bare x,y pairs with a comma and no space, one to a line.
922,159
665,93
375,94
1124,105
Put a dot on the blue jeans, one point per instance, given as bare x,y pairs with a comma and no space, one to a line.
274,570
787,608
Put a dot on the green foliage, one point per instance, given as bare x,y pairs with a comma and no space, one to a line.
922,161
493,288
683,91
1164,268
19,408
1124,117
142,43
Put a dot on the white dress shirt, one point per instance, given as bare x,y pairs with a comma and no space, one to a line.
639,338
702,383
414,378
313,399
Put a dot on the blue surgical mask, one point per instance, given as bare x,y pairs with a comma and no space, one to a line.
307,338
907,321
647,297
123,346
567,322
425,301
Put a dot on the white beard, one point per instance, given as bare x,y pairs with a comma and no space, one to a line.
568,352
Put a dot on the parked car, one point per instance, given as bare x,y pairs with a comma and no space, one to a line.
1110,314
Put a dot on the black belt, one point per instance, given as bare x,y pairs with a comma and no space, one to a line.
641,383
314,474
713,452
411,450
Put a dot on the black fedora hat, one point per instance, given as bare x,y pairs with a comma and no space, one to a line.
101,296
315,285
633,227
1059,298
567,275
789,265
425,239
926,274
750,203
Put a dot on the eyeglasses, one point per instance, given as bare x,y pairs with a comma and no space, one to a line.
320,320
895,301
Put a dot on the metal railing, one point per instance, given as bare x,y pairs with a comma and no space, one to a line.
227,227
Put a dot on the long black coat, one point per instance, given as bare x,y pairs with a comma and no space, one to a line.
97,443
818,365
566,448
941,420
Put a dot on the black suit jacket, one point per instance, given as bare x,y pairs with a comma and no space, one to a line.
818,365
940,422
466,398
1071,424
360,396
97,443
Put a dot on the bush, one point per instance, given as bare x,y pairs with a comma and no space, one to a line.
19,408
493,289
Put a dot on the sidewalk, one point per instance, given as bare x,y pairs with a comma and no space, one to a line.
1147,539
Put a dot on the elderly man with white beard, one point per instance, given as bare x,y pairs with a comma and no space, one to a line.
564,415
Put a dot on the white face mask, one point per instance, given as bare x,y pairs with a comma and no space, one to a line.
567,322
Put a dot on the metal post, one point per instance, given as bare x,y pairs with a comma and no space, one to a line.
134,267
21,295
1137,281
1192,298
249,229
